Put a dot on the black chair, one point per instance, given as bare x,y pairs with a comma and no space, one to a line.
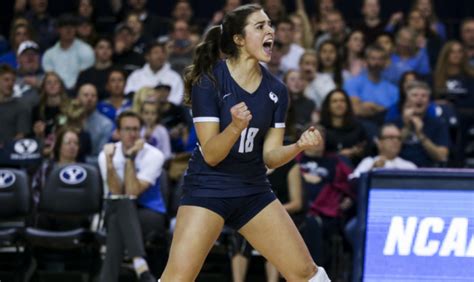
72,196
15,207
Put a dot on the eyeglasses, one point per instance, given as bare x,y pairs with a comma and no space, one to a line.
130,129
391,137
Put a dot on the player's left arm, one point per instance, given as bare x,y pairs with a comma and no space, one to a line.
275,154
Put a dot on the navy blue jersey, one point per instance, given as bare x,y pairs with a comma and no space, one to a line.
242,172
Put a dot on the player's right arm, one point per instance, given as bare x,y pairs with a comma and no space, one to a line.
215,145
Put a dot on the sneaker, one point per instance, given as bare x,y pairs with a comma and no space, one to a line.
146,277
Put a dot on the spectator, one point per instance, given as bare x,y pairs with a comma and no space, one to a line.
303,35
330,61
98,73
386,41
219,15
50,113
181,46
454,76
117,101
86,32
153,132
152,24
42,23
29,74
319,19
274,65
275,9
139,38
157,70
407,56
332,199
97,125
370,93
426,38
15,116
395,111
301,110
372,25
131,170
345,135
124,55
66,151
69,56
389,144
425,138
183,11
318,85
291,52
353,61
336,29
467,36
76,118
427,9
142,95
85,10
19,33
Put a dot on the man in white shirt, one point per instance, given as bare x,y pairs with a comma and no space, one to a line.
291,52
389,144
136,210
157,71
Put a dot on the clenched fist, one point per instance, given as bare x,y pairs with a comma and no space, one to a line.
241,115
309,139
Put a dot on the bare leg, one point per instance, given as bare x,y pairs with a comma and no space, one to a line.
272,272
196,231
274,235
239,267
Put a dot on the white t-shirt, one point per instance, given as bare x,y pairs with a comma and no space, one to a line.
367,164
291,60
319,88
148,164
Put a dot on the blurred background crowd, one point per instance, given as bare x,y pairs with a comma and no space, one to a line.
389,84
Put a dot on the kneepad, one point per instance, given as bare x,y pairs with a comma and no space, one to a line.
320,276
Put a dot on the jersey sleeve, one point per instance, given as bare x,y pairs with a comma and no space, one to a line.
205,104
279,114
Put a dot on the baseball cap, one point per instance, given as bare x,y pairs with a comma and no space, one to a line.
26,45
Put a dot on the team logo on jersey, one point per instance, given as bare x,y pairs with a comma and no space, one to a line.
273,97
7,178
73,174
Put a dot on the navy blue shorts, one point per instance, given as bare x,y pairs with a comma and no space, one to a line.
235,211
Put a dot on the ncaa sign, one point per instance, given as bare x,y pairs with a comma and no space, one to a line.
72,174
7,178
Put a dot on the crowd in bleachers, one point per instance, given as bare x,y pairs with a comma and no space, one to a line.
393,93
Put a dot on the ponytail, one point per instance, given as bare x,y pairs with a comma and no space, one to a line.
206,55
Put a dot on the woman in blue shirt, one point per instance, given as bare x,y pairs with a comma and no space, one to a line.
239,113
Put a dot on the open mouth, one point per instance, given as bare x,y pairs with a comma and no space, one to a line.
268,45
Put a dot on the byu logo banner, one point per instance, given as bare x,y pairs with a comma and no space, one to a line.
7,178
73,174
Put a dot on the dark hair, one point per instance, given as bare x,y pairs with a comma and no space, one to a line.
401,90
4,68
345,55
217,39
119,70
153,45
284,20
58,141
326,114
337,63
104,38
385,125
374,47
127,114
